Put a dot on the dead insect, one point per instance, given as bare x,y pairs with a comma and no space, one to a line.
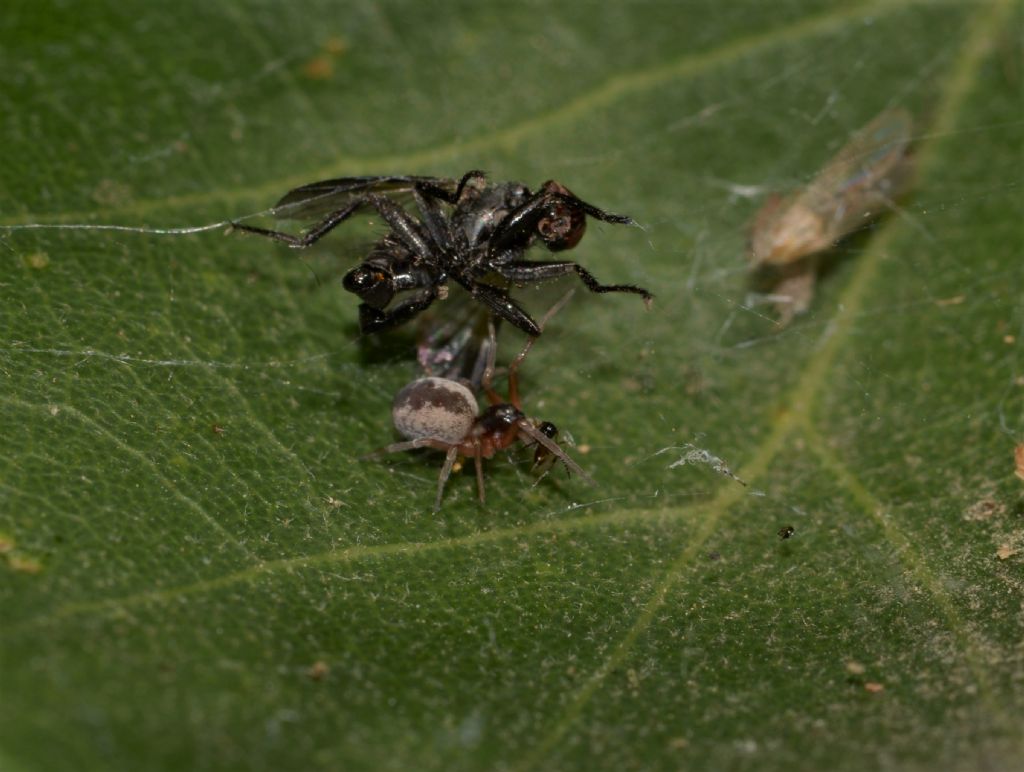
442,414
468,231
786,531
855,187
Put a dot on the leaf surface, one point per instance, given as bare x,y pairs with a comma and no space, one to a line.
198,572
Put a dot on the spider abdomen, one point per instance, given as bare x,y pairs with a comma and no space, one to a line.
434,408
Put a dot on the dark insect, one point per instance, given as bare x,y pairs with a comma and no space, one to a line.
468,231
442,414
786,531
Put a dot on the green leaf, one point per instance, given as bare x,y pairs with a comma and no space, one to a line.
197,571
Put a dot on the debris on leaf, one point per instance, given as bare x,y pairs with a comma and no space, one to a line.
318,670
984,509
23,564
854,188
694,455
874,687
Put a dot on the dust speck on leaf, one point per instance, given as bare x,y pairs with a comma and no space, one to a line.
1005,552
36,260
855,668
874,687
318,68
984,509
318,671
23,564
321,66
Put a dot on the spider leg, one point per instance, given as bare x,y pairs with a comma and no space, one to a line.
527,271
376,320
479,474
513,369
492,350
398,447
535,434
446,470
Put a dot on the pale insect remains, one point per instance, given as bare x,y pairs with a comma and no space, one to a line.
856,186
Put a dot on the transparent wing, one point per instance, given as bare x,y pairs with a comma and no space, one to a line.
317,199
864,176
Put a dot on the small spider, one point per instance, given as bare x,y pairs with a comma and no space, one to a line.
442,414
468,231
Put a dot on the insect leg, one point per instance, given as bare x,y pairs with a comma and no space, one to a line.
526,271
375,320
436,191
321,229
501,304
402,225
446,470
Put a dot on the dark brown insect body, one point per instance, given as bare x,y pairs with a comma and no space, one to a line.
468,231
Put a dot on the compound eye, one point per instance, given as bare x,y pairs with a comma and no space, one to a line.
548,429
373,286
563,227
564,223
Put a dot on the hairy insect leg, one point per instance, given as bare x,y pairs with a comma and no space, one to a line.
526,271
504,306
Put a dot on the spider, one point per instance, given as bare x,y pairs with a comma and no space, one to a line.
441,413
468,231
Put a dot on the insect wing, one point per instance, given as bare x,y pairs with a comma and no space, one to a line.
453,341
864,177
320,198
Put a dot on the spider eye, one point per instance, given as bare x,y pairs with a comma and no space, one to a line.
375,287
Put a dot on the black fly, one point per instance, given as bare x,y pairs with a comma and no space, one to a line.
468,231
